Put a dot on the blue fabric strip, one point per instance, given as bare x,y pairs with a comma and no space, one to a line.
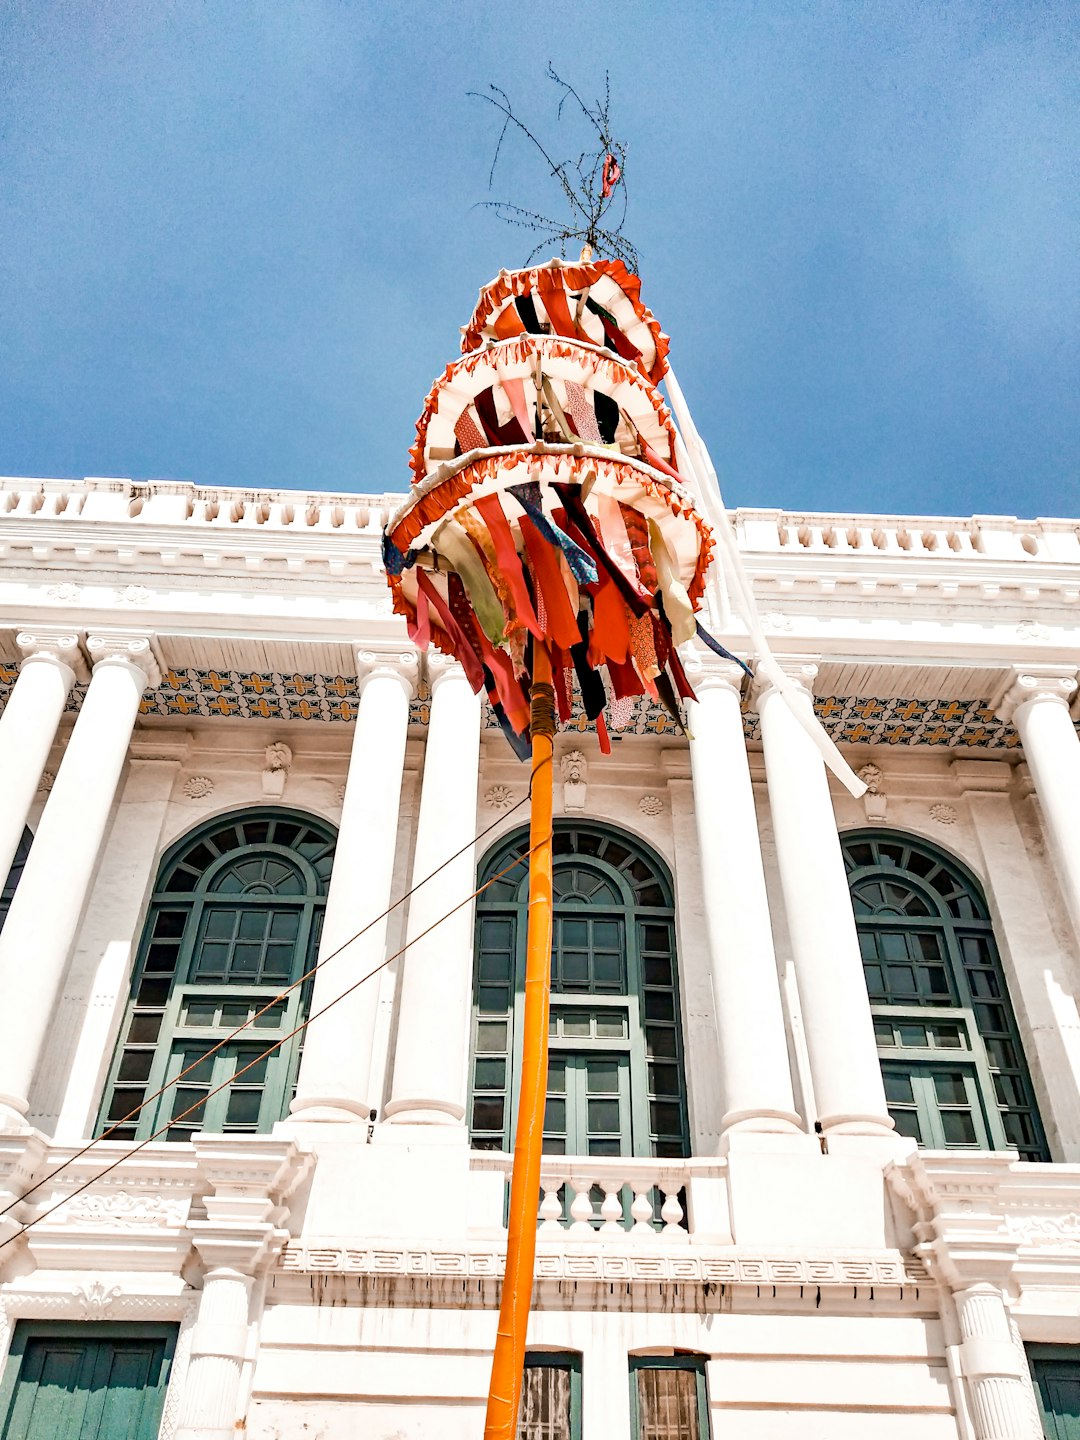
581,565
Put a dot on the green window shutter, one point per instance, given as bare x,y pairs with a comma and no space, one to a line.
616,1078
234,919
86,1382
954,1070
550,1396
1055,1370
668,1398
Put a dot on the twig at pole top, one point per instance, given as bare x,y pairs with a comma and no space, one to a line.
593,185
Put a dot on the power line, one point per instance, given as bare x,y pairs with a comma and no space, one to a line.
150,1099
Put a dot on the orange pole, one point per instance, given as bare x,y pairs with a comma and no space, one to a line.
507,1363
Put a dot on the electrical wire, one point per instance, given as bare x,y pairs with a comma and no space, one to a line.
150,1099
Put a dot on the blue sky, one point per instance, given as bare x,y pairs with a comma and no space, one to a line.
237,238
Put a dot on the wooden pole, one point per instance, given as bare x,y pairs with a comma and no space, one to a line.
504,1394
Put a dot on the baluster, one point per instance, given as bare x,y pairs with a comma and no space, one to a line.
551,1227
611,1211
642,1210
671,1212
581,1210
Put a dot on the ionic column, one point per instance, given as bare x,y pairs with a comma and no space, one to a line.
45,911
335,1072
994,1367
754,1067
1037,703
429,1083
28,724
836,1007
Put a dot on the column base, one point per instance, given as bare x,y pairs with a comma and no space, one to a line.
848,1124
767,1122
13,1110
424,1112
333,1109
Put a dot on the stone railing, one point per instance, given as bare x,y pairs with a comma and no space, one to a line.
981,537
590,1199
168,503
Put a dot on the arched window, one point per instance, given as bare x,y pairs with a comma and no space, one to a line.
615,1075
954,1071
14,875
234,919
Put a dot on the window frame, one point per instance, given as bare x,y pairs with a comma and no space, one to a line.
956,915
1043,1360
631,1001
688,1360
560,1360
194,904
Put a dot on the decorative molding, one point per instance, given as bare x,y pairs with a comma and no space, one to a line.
943,814
56,643
499,797
1055,684
1052,1231
627,1263
198,787
123,1210
875,801
131,649
134,595
651,805
279,759
66,594
574,769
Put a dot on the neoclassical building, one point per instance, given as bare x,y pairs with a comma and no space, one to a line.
813,1127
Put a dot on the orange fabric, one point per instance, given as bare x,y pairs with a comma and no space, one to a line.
611,625
493,298
561,618
448,494
554,298
490,509
508,323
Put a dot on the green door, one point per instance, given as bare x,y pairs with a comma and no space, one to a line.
1056,1372
86,1382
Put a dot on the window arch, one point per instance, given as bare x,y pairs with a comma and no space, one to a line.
234,919
14,875
955,1074
615,1077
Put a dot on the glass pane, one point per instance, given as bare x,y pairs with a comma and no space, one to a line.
270,1019
611,1024
913,1036
898,1087
487,1112
659,1005
202,1012
604,1115
555,1115
667,1404
603,1077
144,1028
958,1127
490,1074
244,1107
660,1041
188,1105
947,1037
907,1123
950,1087
490,1036
577,1023
136,1065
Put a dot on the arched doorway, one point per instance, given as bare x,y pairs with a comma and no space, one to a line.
234,919
616,1083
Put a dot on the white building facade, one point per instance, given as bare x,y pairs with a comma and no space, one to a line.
813,1128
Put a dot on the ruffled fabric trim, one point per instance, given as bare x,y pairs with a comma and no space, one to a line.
510,284
518,351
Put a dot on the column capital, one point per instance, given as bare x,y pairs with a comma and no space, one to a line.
55,643
801,670
441,668
708,672
392,661
123,647
1053,683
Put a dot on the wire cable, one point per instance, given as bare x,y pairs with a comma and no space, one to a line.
150,1099
122,1159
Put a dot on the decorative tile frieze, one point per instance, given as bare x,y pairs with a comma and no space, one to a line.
269,695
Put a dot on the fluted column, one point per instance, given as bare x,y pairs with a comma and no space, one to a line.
429,1081
754,1066
45,910
994,1367
335,1074
52,663
836,1008
1037,703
